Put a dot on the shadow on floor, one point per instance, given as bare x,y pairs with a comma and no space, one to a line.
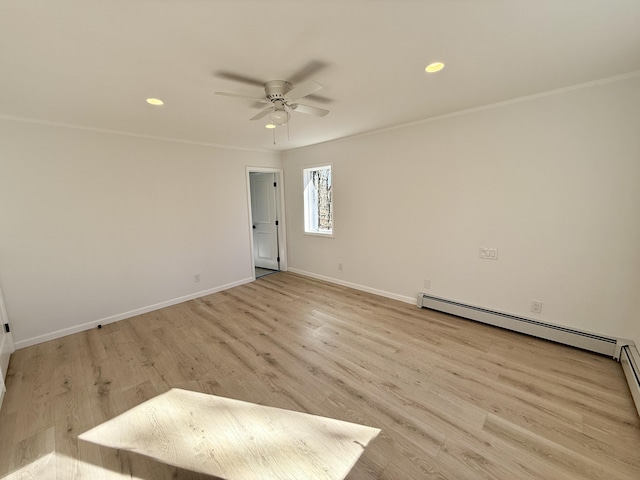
261,272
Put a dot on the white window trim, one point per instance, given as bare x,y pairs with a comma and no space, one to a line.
304,206
319,234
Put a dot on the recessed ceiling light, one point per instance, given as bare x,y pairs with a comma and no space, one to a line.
434,67
269,125
154,101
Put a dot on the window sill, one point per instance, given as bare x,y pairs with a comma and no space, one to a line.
319,234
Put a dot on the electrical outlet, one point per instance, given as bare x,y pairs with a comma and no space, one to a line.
488,253
340,266
426,284
196,278
536,306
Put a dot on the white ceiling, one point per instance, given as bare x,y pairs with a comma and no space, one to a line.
93,63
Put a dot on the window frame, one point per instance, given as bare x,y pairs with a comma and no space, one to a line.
305,198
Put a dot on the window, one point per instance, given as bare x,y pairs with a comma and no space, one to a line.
318,204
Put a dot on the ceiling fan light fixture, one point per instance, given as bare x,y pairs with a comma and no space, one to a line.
270,125
155,101
434,67
279,117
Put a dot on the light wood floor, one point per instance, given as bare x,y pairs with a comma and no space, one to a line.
454,399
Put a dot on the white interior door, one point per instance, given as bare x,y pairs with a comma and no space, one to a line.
264,218
6,347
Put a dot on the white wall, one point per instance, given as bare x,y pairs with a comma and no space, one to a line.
97,226
552,182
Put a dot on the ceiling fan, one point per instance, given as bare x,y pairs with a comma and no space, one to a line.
282,98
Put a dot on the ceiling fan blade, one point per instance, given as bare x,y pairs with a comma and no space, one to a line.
318,112
307,71
234,95
262,113
302,90
239,78
318,98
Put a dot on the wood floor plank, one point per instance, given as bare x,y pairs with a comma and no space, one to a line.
455,399
35,413
559,425
559,461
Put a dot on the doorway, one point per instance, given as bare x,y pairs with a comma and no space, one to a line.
267,220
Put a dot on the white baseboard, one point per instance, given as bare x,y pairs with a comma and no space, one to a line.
122,316
355,286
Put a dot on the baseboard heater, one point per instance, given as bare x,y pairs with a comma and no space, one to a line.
630,360
568,336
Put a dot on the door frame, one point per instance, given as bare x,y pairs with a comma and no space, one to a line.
7,346
282,230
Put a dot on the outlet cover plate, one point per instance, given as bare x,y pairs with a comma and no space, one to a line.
488,253
536,306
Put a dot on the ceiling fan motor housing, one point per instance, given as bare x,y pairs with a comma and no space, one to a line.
276,89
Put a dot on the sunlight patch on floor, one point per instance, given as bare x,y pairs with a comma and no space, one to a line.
55,466
234,439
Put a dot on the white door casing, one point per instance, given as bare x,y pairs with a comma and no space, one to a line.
264,220
6,347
